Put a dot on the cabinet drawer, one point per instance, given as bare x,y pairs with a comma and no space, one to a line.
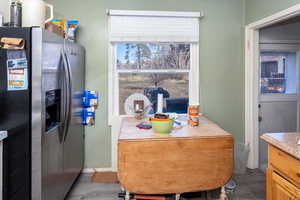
285,164
283,189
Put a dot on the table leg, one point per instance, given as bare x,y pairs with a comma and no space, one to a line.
223,195
209,195
122,189
127,196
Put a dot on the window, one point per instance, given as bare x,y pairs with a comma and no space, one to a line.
150,68
164,61
150,56
278,73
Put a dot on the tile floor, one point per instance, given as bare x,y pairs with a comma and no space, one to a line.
250,186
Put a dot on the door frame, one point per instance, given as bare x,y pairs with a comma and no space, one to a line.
252,67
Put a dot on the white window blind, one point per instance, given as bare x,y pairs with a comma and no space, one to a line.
153,26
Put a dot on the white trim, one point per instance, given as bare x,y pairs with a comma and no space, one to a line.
194,83
115,129
298,88
251,78
277,17
116,88
93,170
154,13
278,97
292,42
251,96
111,84
277,47
110,55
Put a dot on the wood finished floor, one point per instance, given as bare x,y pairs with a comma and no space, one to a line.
250,186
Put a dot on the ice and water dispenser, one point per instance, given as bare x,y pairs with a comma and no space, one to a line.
53,108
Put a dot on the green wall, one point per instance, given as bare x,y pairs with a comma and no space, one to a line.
221,61
4,9
221,57
258,9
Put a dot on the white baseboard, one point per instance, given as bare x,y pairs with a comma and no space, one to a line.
93,170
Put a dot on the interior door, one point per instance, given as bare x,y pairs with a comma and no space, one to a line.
278,99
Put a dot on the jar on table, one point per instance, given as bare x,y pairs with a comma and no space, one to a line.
193,113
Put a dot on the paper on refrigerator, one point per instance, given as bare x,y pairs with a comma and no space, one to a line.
17,74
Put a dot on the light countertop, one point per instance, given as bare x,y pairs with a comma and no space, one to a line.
287,142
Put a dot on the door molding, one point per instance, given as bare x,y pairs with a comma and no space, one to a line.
279,98
252,78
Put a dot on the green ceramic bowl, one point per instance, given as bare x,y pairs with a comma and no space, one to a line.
162,126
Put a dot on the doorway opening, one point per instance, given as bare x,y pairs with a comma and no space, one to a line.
272,100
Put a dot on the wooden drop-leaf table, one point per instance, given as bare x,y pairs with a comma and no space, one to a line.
190,159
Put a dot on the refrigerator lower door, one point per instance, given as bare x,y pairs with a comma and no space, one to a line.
74,139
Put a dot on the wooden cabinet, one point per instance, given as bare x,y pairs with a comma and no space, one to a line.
281,188
283,178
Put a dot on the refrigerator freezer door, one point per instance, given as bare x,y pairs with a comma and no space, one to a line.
54,80
47,114
74,139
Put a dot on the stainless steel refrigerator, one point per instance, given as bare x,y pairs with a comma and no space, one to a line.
49,108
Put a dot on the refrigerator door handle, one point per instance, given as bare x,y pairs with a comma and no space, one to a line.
69,96
66,96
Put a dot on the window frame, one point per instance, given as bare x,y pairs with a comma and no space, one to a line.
280,63
279,47
194,88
